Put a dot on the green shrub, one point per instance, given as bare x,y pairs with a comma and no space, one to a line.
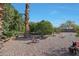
12,21
77,35
8,34
42,27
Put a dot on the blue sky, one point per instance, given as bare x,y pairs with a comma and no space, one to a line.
55,13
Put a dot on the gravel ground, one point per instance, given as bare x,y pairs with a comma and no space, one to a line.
51,46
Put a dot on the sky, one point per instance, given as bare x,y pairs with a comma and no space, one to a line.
56,13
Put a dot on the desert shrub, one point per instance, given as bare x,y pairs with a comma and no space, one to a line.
77,35
12,21
42,27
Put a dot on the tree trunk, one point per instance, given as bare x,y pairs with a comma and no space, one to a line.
1,18
27,28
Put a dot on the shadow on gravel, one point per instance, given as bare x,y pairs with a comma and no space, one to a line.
30,37
31,42
23,38
58,52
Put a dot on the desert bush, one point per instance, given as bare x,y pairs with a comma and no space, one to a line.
42,27
12,21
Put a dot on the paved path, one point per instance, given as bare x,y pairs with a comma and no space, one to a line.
56,45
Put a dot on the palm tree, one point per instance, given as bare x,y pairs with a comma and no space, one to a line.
1,16
27,29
